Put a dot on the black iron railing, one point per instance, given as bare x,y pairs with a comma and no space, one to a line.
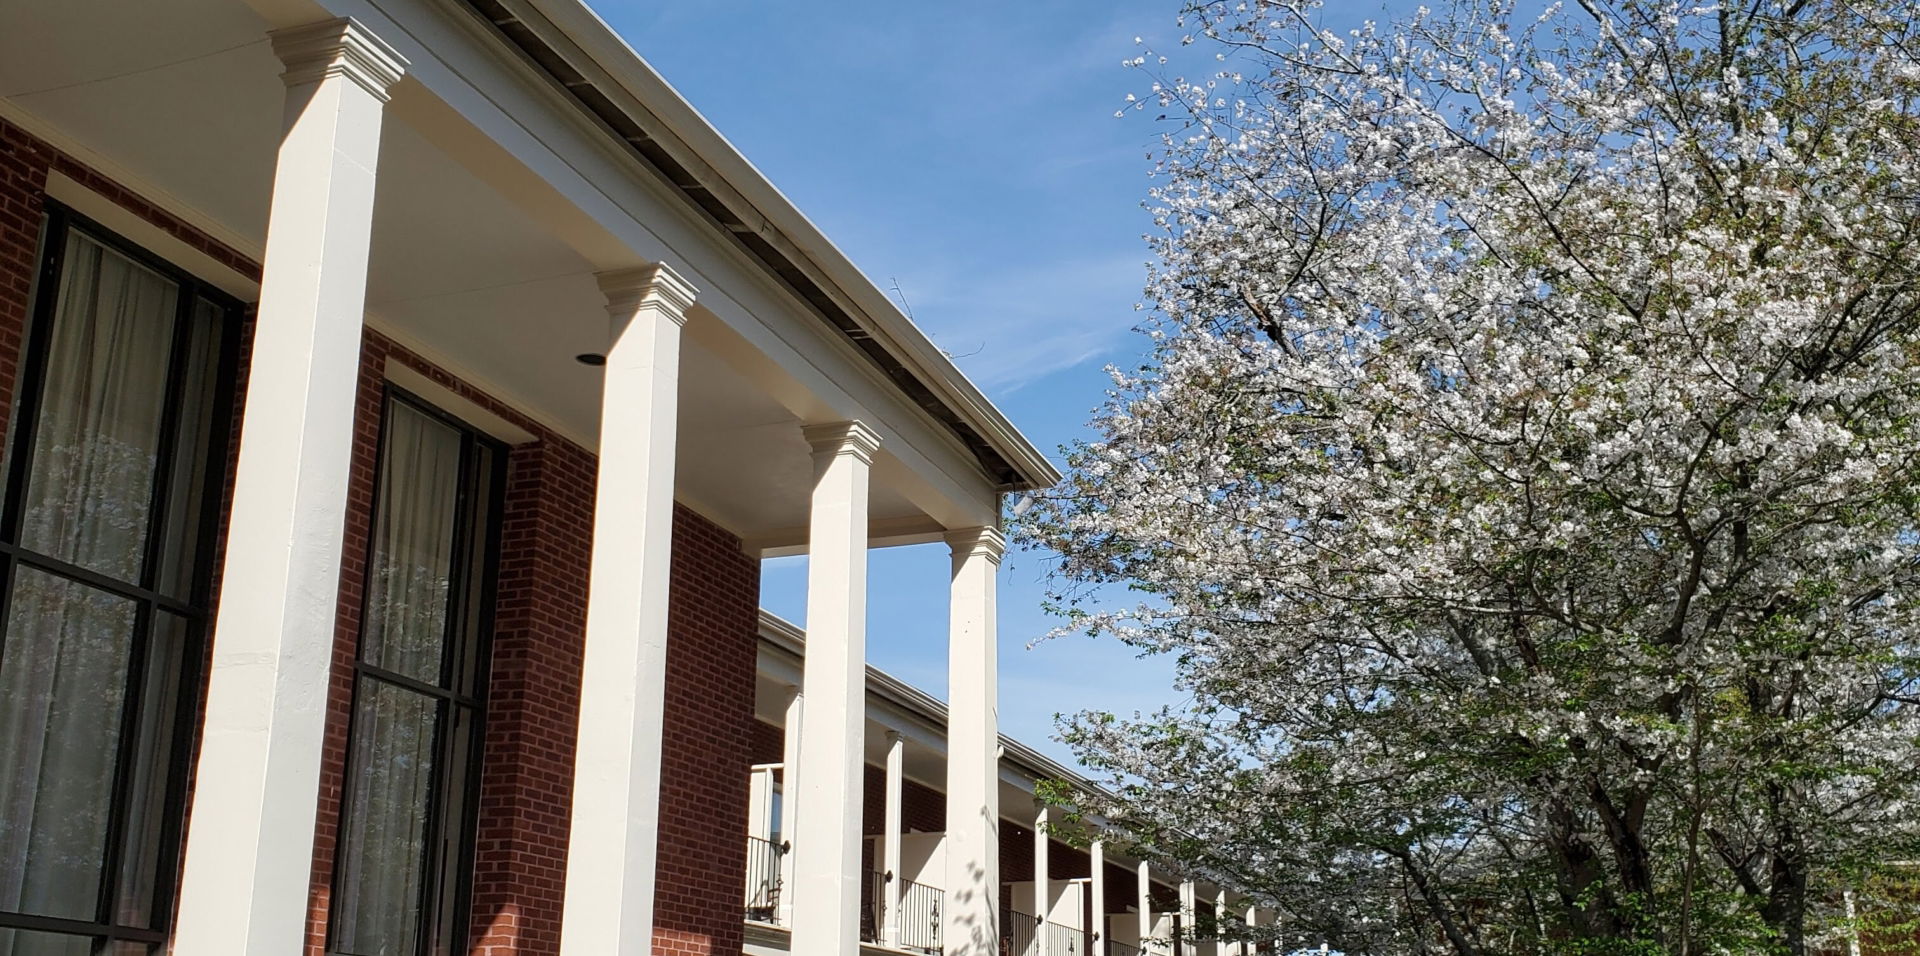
1066,941
920,911
1016,933
1019,935
873,895
763,879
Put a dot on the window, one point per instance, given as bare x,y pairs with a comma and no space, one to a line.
402,878
114,470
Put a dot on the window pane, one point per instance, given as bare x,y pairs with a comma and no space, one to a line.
152,769
19,942
412,573
382,868
450,852
96,445
192,458
62,681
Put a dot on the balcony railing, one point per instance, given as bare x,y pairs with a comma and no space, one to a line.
1016,933
763,879
1019,933
1066,941
1117,948
920,911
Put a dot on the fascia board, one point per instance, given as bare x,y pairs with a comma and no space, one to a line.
702,148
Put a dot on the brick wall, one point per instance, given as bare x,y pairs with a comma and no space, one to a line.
922,809
520,865
714,623
524,801
767,743
533,703
23,177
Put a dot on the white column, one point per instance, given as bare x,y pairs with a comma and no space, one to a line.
971,925
616,771
1220,948
1189,909
1253,920
890,862
789,799
1042,884
760,801
249,855
826,890
1146,904
1098,887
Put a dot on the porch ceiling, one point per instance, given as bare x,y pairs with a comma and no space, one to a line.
182,101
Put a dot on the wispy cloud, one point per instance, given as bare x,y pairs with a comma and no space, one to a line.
1015,325
1062,678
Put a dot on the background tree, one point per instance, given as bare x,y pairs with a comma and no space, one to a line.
1525,476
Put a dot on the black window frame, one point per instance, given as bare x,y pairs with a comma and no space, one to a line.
474,615
196,610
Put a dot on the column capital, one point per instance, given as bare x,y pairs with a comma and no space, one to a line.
985,541
342,47
843,438
894,737
658,286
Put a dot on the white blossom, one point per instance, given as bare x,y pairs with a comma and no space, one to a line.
1525,475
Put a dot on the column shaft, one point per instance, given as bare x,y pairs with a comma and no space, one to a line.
826,893
971,923
1098,887
1189,908
250,837
616,776
890,857
760,821
1146,904
789,799
1220,947
1042,883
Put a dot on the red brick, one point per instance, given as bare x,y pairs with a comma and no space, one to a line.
520,858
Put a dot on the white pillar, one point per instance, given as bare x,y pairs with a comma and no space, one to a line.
789,799
1098,887
890,862
971,924
1253,920
1220,947
826,890
1042,883
760,800
249,856
616,771
1146,904
1189,909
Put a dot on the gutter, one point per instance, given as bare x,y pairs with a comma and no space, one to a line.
593,67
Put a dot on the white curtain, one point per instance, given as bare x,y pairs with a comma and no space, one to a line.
63,664
408,589
383,867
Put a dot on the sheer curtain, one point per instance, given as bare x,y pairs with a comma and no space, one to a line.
395,731
66,652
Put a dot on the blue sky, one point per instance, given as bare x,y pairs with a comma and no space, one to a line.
969,153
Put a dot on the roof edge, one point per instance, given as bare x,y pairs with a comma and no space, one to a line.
790,638
659,126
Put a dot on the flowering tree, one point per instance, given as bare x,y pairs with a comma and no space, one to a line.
1525,476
